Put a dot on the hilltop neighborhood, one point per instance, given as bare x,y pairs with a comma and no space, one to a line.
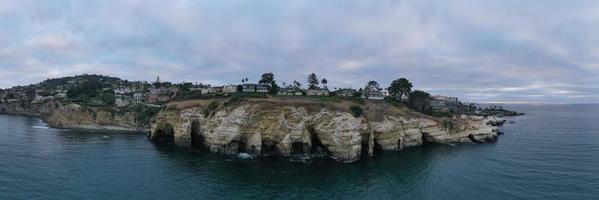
98,90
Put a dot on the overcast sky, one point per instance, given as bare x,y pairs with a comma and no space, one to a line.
485,51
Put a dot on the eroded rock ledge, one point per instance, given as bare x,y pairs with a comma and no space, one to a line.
278,127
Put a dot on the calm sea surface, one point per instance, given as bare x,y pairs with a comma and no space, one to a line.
550,153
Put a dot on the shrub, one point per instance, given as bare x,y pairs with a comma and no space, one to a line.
356,110
233,100
210,108
358,100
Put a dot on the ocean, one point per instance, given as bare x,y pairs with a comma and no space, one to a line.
552,152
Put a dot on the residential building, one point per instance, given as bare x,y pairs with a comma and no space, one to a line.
138,98
318,92
61,94
373,94
218,89
262,88
255,88
228,89
345,92
206,90
290,91
443,103
122,90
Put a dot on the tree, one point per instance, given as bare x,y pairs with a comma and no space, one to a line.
419,100
108,98
324,82
297,85
312,81
399,88
373,86
29,94
269,78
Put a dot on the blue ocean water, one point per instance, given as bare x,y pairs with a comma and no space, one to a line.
550,153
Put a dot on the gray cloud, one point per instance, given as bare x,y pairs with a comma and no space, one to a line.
508,50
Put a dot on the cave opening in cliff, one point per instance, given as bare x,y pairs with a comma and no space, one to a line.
365,147
242,147
297,148
426,138
377,148
399,144
197,139
165,135
318,148
269,148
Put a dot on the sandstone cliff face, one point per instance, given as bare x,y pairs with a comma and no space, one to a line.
81,117
275,128
29,109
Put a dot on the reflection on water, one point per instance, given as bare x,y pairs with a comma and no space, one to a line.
553,152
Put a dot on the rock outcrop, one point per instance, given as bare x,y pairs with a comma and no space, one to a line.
277,127
75,116
29,109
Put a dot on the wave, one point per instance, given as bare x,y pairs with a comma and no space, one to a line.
41,127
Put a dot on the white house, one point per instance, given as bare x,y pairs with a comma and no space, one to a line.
290,91
228,89
252,88
318,92
345,92
122,90
138,98
373,94
443,103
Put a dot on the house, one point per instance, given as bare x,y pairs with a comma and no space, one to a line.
218,89
138,98
345,92
228,89
373,94
262,88
161,94
61,95
206,90
255,88
122,100
318,92
122,90
163,91
443,103
290,91
38,98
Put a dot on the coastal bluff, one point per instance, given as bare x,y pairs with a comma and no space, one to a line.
288,127
76,116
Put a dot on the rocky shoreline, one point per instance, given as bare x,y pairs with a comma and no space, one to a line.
272,127
301,130
74,116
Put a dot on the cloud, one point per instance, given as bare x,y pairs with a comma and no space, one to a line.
497,50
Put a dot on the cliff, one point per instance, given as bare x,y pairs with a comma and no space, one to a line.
76,116
308,127
29,109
